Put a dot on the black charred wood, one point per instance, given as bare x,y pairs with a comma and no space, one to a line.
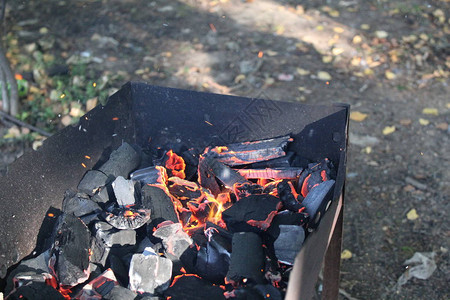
121,162
289,200
36,291
112,237
174,239
315,174
247,189
253,213
79,204
118,268
212,262
244,293
159,202
92,181
150,175
102,195
99,252
281,162
99,286
289,243
268,291
314,202
120,293
225,174
206,178
192,287
247,259
191,157
285,218
251,152
70,253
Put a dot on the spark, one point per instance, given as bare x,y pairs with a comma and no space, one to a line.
115,118
213,28
84,166
209,123
50,215
94,84
260,54
87,156
62,96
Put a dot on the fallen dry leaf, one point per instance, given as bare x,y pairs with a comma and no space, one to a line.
327,59
303,72
412,215
424,122
357,39
338,29
346,254
325,76
390,75
381,34
430,111
405,122
337,51
388,130
358,116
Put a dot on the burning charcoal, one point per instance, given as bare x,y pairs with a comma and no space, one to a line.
192,287
145,243
37,265
268,291
36,291
149,272
206,178
185,191
251,152
190,157
124,191
252,213
226,175
285,192
150,175
281,162
102,195
279,173
243,293
121,162
315,174
99,287
79,204
174,164
120,293
70,253
289,243
247,189
159,202
92,181
128,218
212,262
174,239
247,259
112,237
316,197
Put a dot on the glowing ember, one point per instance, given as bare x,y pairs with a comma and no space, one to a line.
175,164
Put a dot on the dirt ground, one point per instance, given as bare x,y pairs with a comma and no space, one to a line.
388,59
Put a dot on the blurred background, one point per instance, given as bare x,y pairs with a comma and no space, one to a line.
388,59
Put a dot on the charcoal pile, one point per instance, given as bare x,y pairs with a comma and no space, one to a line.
225,222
